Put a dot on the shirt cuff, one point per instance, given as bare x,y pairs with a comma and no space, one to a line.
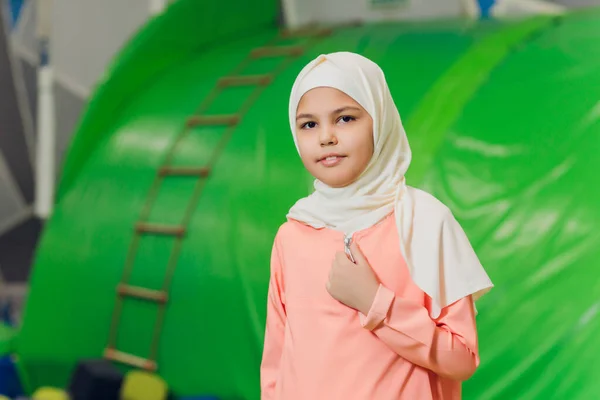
379,309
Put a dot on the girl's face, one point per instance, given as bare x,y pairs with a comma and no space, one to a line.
335,136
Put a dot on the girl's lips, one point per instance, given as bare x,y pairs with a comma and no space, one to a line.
331,161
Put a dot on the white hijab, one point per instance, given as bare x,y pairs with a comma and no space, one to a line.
439,256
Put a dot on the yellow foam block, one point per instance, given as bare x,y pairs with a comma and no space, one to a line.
141,385
49,393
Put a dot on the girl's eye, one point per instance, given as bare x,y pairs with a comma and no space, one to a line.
347,118
309,125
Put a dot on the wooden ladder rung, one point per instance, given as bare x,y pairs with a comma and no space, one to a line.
245,80
158,296
157,229
277,51
130,359
201,172
207,120
306,32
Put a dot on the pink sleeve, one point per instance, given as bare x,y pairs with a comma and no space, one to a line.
446,345
274,332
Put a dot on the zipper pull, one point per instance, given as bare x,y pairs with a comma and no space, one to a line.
347,242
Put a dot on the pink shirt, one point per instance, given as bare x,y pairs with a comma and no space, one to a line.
317,348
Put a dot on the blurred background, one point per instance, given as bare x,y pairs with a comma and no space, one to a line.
146,163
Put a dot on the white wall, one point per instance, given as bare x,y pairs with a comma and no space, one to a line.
302,12
86,34
578,3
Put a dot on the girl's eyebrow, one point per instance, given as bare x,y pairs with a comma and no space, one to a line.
337,111
300,116
342,109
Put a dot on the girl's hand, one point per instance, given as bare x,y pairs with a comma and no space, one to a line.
354,285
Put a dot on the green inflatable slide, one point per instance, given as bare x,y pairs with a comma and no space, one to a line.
183,168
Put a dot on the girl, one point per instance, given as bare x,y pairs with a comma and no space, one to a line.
372,281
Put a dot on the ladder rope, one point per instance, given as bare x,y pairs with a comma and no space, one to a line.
177,232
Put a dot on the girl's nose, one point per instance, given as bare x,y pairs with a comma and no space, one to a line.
327,137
